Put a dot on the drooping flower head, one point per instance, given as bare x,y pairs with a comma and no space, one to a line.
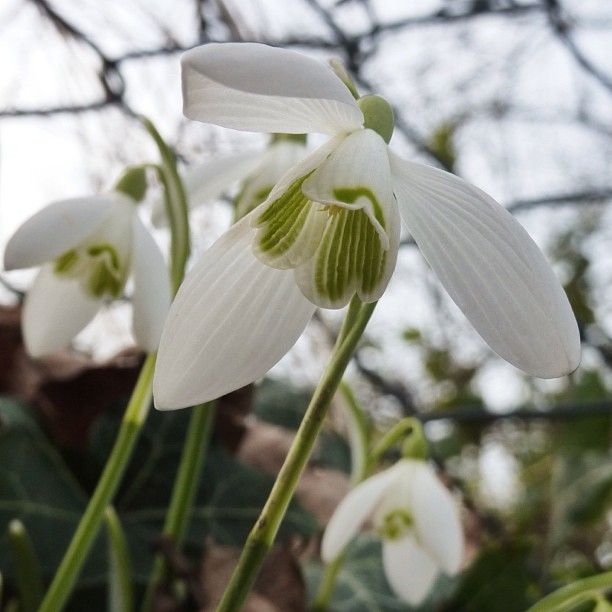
417,520
330,228
88,249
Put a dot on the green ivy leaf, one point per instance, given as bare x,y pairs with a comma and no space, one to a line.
499,580
279,403
37,487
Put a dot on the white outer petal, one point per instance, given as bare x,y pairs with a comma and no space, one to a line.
437,518
491,268
410,571
353,511
55,310
206,182
56,229
257,88
151,298
232,320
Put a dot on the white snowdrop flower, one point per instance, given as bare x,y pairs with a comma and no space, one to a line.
88,248
417,520
257,171
330,229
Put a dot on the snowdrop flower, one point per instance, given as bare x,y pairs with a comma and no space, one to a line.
417,520
257,171
88,248
330,229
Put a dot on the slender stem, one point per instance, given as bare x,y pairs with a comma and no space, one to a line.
89,525
121,590
175,201
28,574
184,492
568,597
359,434
262,535
328,584
194,451
414,445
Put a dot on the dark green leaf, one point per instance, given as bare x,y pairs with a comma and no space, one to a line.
498,581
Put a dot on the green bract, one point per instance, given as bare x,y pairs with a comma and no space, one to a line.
133,183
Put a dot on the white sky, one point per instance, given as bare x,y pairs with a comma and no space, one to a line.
432,74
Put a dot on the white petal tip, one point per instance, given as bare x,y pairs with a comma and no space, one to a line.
562,363
168,396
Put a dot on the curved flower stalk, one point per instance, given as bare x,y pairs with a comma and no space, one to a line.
329,230
88,249
417,520
257,172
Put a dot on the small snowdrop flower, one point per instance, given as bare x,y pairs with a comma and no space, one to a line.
417,520
257,172
87,249
330,229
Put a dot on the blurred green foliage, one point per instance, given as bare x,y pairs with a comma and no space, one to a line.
38,487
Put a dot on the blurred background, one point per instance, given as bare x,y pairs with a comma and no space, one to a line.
515,97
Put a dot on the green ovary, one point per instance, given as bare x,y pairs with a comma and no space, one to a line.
340,246
395,524
97,266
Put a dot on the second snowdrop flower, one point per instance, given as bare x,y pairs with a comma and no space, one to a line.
257,172
88,249
417,520
330,229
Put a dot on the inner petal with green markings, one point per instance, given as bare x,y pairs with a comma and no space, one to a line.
337,226
101,263
98,266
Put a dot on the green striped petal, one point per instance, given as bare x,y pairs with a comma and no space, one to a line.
350,259
290,229
281,156
358,250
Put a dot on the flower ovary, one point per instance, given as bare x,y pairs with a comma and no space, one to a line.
377,115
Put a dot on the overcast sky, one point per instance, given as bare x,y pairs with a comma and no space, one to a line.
468,72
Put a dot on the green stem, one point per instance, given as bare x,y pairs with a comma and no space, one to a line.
262,535
121,591
27,567
183,493
359,434
568,597
89,525
328,584
176,206
414,445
